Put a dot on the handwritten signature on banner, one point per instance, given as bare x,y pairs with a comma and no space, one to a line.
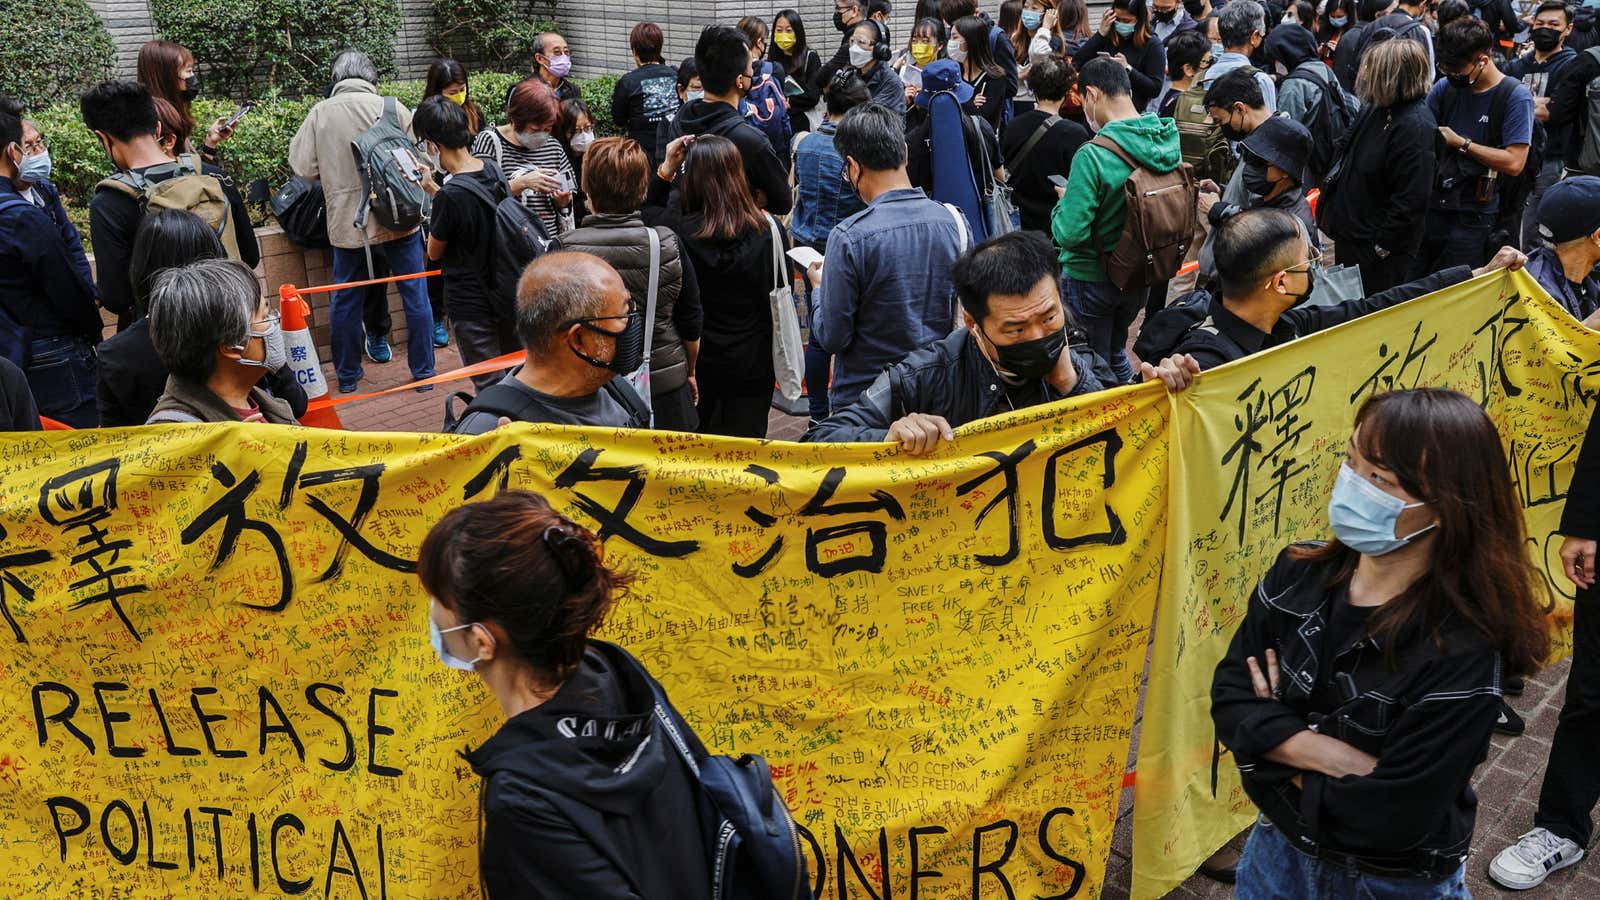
1275,427
220,681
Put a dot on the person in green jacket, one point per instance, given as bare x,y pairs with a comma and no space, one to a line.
1089,216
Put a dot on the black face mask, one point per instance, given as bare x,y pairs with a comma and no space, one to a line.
191,87
1030,359
1311,286
838,22
629,354
1465,79
1164,17
1255,180
1546,39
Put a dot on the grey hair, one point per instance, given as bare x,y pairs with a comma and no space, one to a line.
1238,20
353,64
544,313
1391,75
198,308
874,136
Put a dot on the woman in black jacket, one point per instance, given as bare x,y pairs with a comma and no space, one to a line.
1374,200
969,46
583,795
1363,685
790,50
1125,36
131,377
729,244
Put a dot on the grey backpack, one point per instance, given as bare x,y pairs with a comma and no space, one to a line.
1589,157
390,193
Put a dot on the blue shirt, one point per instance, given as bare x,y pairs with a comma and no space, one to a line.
825,199
1470,119
41,286
886,287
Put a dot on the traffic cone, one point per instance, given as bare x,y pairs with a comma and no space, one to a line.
303,359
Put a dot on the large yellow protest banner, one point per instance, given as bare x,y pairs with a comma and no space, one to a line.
219,681
1255,448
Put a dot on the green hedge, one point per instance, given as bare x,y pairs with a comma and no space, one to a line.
259,147
51,48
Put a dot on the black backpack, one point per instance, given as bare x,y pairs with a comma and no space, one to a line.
1457,177
754,842
1331,118
1165,330
518,239
519,406
302,212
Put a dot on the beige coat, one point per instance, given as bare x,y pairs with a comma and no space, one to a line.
321,149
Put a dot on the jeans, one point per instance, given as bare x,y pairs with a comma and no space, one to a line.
483,339
1106,314
1571,777
61,374
1453,238
1548,175
404,256
1274,869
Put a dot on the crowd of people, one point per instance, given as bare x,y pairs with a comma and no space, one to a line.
982,214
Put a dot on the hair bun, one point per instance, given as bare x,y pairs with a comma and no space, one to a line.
572,553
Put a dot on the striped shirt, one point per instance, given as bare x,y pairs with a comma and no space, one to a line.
512,158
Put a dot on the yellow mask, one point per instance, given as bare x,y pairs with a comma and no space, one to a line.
922,53
784,40
458,99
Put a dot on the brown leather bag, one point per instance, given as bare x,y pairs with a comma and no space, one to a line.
1161,222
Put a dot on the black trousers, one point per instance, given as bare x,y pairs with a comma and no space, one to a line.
481,340
674,410
1572,777
733,413
1377,275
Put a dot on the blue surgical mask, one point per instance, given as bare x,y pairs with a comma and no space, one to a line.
35,169
1217,50
1126,29
1363,515
436,636
692,96
1338,21
1031,19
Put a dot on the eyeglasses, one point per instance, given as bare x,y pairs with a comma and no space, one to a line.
1314,259
34,148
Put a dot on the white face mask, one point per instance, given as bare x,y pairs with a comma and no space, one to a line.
582,140
276,355
860,56
532,140
955,51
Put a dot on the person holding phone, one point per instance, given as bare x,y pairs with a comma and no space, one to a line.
167,70
1038,144
1126,38
525,149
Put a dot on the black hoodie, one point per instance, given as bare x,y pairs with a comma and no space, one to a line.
584,797
766,173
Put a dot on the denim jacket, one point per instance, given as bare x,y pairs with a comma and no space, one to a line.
826,199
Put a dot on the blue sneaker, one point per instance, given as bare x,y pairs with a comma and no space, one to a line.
378,349
348,387
441,337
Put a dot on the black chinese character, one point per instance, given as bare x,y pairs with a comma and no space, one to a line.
615,521
1114,534
229,510
8,578
82,499
1006,463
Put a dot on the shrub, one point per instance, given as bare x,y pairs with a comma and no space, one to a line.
52,48
597,96
496,33
279,45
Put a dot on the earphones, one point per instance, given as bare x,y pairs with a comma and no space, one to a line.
880,47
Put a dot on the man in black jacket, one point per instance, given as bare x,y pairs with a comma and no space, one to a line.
1569,106
722,59
1012,354
1562,825
1267,270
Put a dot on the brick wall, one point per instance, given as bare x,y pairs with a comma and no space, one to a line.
130,26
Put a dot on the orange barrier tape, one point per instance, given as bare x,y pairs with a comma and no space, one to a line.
327,288
479,368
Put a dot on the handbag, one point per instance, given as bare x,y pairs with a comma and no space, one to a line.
640,377
302,213
997,205
788,351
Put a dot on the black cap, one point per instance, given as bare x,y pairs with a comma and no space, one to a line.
1570,209
1281,141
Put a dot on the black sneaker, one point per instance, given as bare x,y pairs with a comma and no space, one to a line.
1509,722
1513,687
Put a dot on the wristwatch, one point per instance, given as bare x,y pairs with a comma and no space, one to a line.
1463,147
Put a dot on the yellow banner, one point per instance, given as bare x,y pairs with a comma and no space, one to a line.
1256,446
220,681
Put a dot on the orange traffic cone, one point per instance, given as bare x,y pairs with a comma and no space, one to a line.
303,359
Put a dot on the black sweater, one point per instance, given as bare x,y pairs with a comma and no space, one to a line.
1388,170
1149,63
1030,182
767,174
804,72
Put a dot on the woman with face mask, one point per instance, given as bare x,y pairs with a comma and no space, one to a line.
167,70
924,47
538,168
971,49
583,793
1036,35
1125,36
217,335
793,54
728,240
447,78
1338,17
1362,687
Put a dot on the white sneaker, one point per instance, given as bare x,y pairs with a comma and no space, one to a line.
1529,861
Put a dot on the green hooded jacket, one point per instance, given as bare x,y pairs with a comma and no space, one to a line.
1093,206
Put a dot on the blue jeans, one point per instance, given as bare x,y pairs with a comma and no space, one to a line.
1106,314
344,312
1274,869
61,373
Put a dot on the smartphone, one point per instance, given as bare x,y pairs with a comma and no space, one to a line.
805,256
234,119
408,164
1059,181
565,180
